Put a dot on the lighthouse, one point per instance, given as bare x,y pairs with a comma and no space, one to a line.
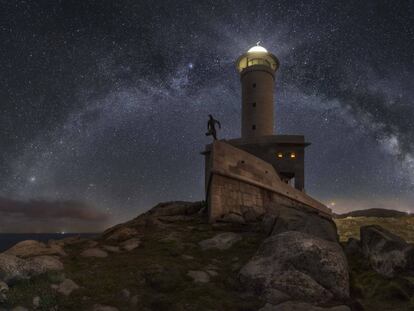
286,153
260,171
257,69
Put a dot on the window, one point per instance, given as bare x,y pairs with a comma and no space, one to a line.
258,61
254,85
279,155
292,155
253,127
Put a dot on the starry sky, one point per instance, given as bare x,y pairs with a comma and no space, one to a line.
103,104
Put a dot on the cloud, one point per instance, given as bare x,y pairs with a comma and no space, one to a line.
50,216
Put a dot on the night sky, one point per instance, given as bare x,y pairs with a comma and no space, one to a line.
103,104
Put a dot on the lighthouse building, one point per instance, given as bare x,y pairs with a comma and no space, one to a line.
261,170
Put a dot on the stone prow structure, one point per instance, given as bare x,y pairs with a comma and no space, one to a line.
238,182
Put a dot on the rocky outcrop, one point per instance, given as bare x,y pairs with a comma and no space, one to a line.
387,253
13,268
295,265
175,208
301,306
41,264
293,219
353,247
4,288
94,252
31,248
130,244
199,276
99,307
277,219
158,216
122,234
221,241
66,287
299,260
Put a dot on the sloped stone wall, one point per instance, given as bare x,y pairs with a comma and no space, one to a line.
240,184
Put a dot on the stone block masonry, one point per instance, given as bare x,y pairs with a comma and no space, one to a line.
240,183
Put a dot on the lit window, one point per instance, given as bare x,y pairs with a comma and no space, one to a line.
293,155
280,155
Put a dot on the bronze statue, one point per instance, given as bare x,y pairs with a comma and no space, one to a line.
211,127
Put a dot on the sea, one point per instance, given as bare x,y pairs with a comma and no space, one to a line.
7,240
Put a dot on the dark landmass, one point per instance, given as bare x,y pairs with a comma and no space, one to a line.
372,212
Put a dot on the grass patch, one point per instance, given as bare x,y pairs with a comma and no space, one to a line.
376,292
156,272
401,226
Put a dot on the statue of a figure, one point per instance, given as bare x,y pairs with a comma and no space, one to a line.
211,127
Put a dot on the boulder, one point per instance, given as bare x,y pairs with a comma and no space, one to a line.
176,208
31,248
130,244
387,253
111,248
233,218
292,219
41,264
221,241
36,302
125,294
268,222
91,243
66,287
4,288
94,252
72,240
122,234
199,276
13,268
134,300
99,307
295,265
353,247
301,306
252,214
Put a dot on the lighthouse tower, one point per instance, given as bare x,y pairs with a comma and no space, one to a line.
259,171
286,153
257,70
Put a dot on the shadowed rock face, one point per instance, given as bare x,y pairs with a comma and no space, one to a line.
292,219
387,253
221,241
300,266
301,306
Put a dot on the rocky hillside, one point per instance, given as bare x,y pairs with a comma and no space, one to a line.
170,258
402,224
373,212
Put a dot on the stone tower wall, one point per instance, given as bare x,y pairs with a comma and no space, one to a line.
257,84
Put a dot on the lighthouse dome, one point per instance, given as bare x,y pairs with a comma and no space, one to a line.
257,56
257,49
